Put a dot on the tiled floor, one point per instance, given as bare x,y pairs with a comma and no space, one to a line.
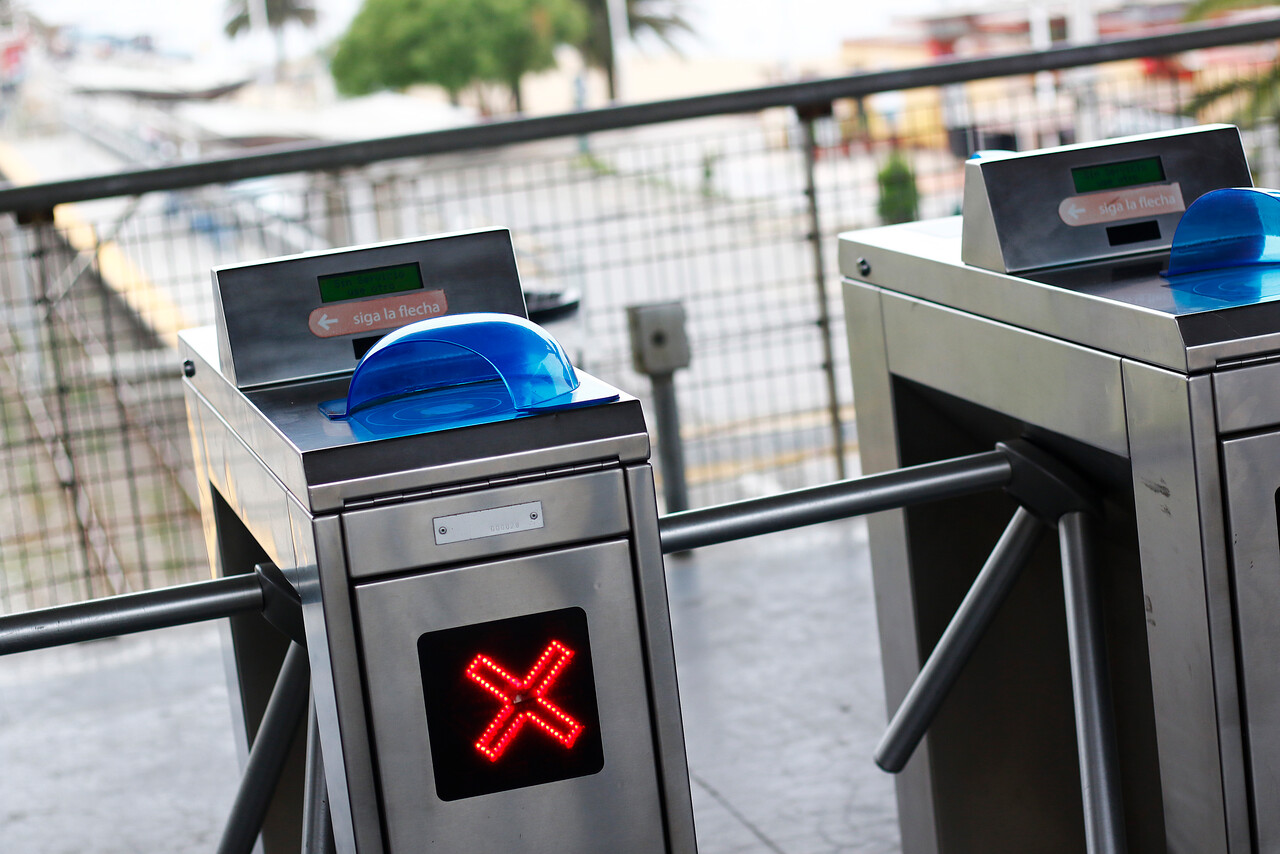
124,746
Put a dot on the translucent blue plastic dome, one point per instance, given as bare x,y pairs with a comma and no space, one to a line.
1237,227
460,350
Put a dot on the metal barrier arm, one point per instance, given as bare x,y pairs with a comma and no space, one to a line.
288,702
1056,496
1095,725
857,496
263,590
952,651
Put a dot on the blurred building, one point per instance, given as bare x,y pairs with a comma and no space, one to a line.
975,116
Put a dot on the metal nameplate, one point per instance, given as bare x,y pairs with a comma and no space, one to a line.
487,523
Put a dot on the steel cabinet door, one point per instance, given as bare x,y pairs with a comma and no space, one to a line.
611,804
1251,467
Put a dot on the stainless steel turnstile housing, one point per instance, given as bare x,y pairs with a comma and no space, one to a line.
400,545
1168,398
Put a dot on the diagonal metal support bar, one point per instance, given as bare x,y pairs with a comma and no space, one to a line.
270,750
957,643
83,260
317,824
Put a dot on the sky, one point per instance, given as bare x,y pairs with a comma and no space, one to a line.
782,30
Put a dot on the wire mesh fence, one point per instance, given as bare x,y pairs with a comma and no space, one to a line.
736,217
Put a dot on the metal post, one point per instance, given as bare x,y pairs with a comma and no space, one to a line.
675,490
660,347
815,237
132,612
867,494
270,750
957,643
1095,727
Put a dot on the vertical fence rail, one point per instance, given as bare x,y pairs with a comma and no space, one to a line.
817,238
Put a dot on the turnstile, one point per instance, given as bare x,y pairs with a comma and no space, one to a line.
1042,312
470,525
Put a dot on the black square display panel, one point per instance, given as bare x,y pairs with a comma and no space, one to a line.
510,703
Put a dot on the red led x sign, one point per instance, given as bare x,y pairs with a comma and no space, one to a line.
524,701
511,703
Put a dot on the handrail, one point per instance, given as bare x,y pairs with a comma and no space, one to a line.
37,198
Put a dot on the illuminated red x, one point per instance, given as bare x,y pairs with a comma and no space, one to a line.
524,700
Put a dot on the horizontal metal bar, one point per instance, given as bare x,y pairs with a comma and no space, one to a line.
288,159
840,500
132,612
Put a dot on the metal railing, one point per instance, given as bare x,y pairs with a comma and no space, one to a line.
725,202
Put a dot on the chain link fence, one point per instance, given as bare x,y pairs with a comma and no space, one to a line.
735,216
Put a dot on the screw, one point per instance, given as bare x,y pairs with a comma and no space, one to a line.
533,515
443,529
864,266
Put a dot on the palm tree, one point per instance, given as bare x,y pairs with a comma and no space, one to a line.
1255,98
662,18
279,13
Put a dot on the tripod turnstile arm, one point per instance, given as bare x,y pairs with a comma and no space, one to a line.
962,634
1090,686
1055,496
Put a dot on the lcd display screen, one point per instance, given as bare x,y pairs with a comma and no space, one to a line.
1125,173
377,282
510,703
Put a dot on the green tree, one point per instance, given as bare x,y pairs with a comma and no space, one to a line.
524,35
661,18
454,44
899,196
1251,98
279,13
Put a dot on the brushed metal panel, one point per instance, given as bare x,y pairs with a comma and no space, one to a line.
922,259
1247,398
401,536
656,617
900,651
1252,471
339,690
1009,370
1184,584
305,578
617,809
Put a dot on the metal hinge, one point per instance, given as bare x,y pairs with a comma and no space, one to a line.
1245,362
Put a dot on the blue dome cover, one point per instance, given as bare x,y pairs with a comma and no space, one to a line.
1237,227
461,350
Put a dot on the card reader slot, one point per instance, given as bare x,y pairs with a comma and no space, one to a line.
1133,232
